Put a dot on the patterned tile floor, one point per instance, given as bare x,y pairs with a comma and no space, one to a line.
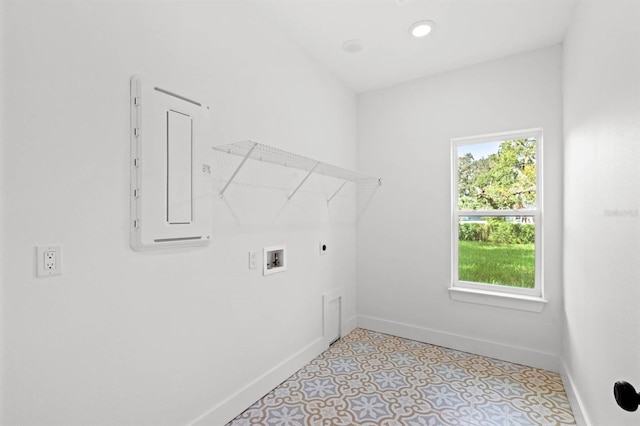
368,378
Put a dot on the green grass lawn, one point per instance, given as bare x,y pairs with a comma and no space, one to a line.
506,264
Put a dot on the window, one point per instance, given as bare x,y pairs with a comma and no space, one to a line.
497,216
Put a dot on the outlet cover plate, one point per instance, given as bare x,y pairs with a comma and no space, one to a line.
41,251
253,262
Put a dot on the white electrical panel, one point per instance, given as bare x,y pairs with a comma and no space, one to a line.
171,199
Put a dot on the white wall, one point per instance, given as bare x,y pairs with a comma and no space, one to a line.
602,207
126,338
404,236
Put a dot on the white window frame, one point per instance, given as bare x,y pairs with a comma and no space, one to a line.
494,294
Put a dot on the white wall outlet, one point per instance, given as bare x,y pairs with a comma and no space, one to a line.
253,261
323,247
48,260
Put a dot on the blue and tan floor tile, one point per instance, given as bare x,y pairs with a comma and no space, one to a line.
374,379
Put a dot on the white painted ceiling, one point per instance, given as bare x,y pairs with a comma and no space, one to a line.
466,32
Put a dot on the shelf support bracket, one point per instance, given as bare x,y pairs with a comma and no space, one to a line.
303,181
339,189
238,169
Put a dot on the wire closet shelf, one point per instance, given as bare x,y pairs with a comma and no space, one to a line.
269,154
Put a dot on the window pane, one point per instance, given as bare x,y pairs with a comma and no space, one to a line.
497,250
497,175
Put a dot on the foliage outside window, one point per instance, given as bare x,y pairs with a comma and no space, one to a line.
497,213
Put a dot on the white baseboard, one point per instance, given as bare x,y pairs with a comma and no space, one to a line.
574,396
501,351
228,409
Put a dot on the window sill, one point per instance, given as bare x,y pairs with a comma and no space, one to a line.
502,300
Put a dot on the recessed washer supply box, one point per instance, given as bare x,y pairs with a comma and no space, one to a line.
171,200
275,259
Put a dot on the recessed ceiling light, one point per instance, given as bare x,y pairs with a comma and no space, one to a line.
353,46
421,28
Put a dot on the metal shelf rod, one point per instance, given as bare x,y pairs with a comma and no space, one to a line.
303,181
244,160
339,189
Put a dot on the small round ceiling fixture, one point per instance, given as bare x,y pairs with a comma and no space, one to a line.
421,28
353,46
